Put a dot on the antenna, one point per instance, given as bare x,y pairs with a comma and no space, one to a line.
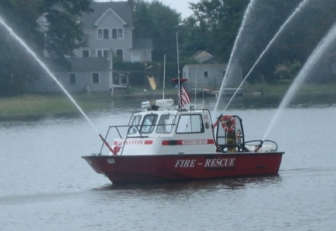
178,71
164,76
196,84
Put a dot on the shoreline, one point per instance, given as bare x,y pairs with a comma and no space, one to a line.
39,106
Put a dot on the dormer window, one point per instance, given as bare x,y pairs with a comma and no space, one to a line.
117,33
103,34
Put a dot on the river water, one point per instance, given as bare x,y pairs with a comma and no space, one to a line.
46,185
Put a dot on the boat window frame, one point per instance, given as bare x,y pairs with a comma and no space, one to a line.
163,127
134,126
201,130
150,126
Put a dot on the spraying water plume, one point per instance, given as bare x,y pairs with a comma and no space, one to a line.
321,48
234,49
297,10
31,52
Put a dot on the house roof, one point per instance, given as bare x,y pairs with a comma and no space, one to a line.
122,9
142,44
105,13
202,56
201,53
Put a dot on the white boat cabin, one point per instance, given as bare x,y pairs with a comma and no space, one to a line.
166,132
170,131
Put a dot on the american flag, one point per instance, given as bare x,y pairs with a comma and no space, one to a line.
184,96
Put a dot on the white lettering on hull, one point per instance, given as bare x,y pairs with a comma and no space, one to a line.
209,163
185,163
221,162
132,142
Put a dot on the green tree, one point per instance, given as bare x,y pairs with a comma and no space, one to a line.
159,22
64,32
300,37
59,35
219,22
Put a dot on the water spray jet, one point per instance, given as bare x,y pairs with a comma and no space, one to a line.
321,48
31,52
297,9
247,13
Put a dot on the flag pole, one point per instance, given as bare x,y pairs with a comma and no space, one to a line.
178,71
164,76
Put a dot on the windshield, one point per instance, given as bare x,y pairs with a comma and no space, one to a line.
148,123
135,124
166,123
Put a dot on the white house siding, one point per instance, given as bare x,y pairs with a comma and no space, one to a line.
195,73
106,15
83,70
109,21
83,82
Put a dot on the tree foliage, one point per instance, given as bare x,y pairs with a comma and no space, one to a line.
219,22
213,27
159,22
59,36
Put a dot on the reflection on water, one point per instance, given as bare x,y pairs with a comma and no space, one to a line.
214,184
37,198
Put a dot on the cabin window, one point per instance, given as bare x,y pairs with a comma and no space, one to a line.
135,124
166,123
148,123
190,124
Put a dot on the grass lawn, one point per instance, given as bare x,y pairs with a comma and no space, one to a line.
31,105
37,105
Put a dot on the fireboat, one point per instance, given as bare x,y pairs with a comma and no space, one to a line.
166,143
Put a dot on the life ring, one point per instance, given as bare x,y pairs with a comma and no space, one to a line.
228,123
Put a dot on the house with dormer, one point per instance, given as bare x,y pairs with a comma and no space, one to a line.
108,32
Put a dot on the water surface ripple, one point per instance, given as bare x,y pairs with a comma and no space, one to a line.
45,185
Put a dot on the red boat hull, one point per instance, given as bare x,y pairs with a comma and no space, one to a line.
126,169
